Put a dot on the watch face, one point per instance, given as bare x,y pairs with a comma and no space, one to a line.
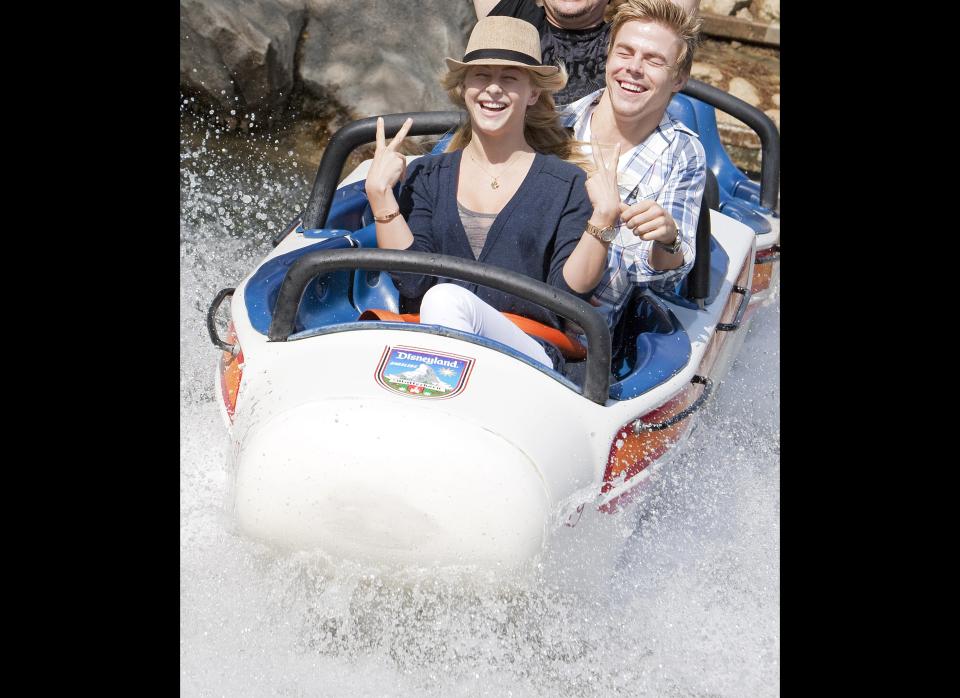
605,234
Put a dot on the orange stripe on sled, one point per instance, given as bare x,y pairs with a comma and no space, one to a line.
570,348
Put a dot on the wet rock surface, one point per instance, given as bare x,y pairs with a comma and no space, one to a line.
401,60
239,56
289,59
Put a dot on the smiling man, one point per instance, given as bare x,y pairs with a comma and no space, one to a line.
662,167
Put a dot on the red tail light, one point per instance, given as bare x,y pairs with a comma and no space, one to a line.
231,370
763,268
632,452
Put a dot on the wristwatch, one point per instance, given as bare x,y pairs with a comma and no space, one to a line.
675,247
603,234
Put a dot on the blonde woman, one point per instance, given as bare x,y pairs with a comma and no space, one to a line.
503,194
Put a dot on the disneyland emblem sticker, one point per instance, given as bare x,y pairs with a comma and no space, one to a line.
422,373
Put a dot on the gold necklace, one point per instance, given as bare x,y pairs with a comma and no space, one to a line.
494,184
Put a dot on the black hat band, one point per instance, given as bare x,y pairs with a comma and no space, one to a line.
501,53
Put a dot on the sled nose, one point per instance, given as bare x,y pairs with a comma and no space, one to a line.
361,480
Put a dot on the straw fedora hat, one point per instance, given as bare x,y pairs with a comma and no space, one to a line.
504,41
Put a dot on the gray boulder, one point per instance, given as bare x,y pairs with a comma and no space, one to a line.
369,57
383,56
239,54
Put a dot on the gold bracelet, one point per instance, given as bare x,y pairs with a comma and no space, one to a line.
387,218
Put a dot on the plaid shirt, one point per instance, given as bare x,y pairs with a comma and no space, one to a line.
669,166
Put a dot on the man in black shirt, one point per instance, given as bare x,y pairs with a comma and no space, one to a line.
571,31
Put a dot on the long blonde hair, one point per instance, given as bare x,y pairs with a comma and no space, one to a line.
541,124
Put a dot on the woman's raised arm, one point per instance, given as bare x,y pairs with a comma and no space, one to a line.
388,168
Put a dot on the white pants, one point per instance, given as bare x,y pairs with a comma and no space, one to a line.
455,307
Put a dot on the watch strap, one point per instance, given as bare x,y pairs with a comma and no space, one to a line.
603,234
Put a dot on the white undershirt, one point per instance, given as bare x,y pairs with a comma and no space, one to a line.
585,134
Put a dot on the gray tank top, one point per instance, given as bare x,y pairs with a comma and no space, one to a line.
476,225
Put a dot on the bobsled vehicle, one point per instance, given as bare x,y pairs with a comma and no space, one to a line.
359,431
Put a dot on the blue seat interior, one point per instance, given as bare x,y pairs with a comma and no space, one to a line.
348,211
650,346
330,299
373,289
326,299
739,195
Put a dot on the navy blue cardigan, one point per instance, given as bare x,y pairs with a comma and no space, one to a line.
534,234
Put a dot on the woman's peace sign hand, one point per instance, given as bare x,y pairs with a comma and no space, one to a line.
602,185
388,165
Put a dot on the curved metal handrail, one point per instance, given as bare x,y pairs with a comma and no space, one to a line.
764,126
596,383
359,133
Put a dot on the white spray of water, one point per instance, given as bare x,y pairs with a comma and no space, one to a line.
677,597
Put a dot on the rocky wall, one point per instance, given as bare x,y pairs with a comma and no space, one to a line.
260,59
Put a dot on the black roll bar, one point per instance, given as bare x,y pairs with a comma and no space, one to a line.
759,122
212,324
359,133
698,282
596,383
